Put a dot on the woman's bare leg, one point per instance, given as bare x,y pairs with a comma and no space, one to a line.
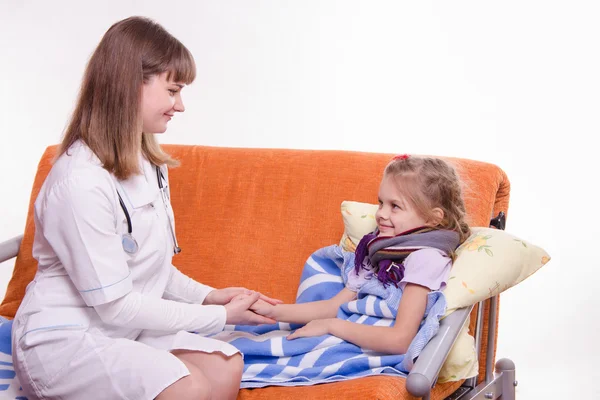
195,386
224,373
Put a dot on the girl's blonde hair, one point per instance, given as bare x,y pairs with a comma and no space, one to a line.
107,114
428,183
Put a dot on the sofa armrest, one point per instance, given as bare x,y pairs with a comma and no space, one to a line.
10,248
425,371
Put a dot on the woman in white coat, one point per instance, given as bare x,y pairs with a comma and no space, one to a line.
107,315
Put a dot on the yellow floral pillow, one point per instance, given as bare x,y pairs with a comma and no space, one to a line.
461,362
359,219
489,262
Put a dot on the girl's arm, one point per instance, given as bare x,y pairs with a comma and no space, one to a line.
391,340
304,312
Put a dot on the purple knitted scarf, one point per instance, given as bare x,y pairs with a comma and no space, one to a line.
385,255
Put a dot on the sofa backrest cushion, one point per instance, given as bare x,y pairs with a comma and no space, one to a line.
251,217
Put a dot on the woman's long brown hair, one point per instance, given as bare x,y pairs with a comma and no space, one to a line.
107,114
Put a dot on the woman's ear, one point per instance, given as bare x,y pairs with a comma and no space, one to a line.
437,216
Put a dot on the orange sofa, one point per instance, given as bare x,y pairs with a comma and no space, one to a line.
271,208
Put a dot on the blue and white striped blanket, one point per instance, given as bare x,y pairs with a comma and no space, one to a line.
271,359
10,388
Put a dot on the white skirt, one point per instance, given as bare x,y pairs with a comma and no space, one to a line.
75,364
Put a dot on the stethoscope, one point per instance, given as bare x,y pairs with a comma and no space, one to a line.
129,243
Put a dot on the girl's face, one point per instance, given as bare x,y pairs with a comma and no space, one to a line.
161,99
395,214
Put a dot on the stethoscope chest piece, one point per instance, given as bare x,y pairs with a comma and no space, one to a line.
129,244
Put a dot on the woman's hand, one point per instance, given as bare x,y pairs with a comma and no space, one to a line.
239,313
316,327
224,296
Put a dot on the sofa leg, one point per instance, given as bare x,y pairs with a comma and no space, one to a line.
506,368
500,386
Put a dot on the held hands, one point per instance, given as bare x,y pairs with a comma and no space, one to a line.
239,312
315,327
264,308
224,296
238,302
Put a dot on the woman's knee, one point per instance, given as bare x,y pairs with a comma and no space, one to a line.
214,364
194,386
199,389
226,383
237,364
235,369
228,369
223,372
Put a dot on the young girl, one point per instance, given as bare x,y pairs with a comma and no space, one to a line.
420,222
107,315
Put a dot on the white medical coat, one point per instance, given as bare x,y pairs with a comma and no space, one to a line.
61,347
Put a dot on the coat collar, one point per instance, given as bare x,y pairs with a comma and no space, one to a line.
140,189
137,190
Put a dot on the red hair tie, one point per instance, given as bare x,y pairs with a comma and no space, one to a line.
401,157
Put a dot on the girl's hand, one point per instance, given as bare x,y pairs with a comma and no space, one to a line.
316,327
239,313
224,296
263,308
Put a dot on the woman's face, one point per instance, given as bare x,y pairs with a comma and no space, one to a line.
161,99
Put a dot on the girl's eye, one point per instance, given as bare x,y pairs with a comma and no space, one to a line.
396,206
173,92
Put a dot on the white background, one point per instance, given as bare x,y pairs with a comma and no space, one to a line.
515,83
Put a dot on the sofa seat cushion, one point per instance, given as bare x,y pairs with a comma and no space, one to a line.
372,387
